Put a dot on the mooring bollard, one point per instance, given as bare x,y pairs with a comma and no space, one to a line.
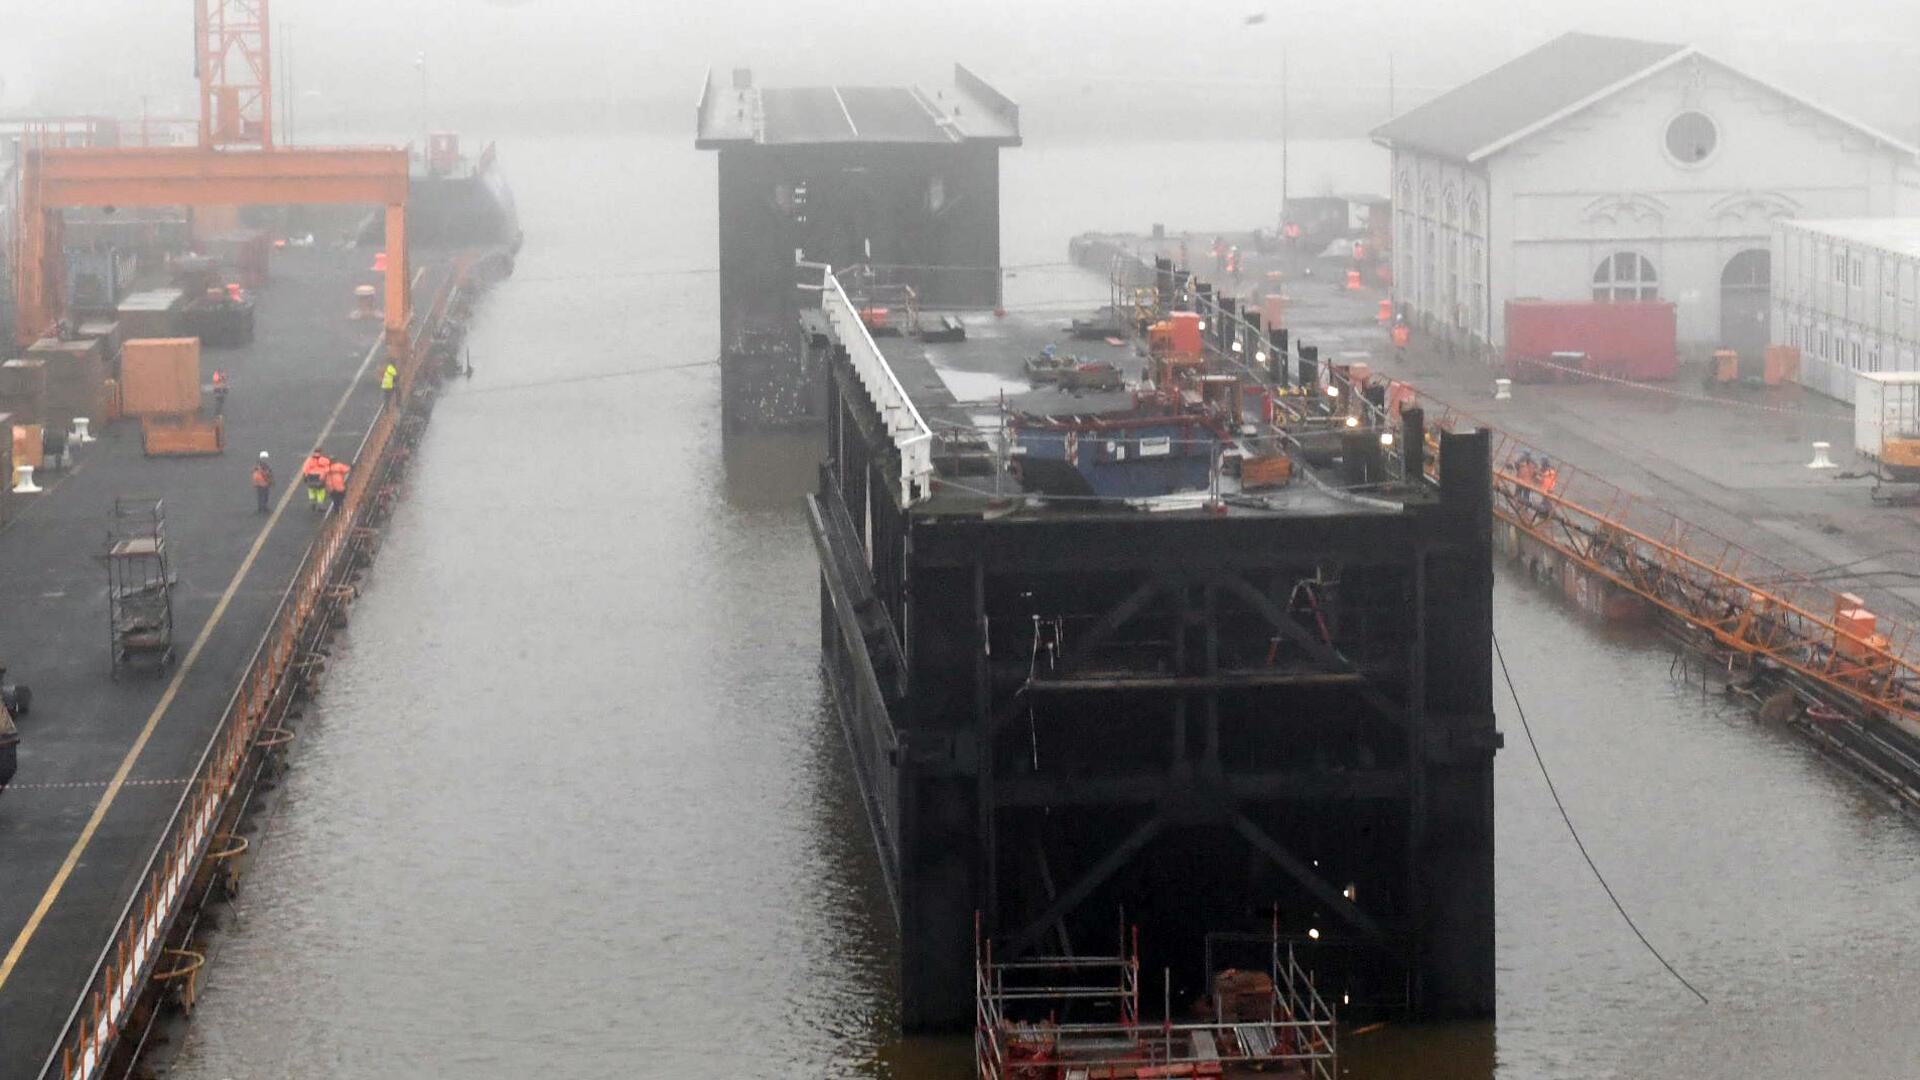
1820,458
23,483
1503,389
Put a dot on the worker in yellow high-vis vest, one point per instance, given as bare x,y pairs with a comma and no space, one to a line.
389,377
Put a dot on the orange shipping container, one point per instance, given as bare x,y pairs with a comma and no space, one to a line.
1783,364
1273,311
160,377
182,436
1186,340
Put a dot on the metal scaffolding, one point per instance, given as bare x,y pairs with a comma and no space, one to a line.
1062,1017
139,585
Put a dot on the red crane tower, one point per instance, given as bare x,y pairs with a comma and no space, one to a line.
235,65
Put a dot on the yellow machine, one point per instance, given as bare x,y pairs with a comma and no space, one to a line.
1900,458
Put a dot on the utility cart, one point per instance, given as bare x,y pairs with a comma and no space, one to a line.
139,586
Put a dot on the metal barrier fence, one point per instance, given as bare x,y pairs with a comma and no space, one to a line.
119,994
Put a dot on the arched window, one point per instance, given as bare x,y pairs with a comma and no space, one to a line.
1450,206
1426,198
1623,276
1406,191
1473,214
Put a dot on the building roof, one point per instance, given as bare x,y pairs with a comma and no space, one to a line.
1899,236
1537,89
743,113
1530,88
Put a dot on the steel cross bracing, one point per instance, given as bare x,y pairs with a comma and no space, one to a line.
236,73
1206,785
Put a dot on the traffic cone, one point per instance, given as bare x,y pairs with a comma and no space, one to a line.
1353,280
379,262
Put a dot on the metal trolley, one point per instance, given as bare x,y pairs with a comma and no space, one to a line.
139,586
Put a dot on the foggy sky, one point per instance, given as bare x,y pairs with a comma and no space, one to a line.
355,60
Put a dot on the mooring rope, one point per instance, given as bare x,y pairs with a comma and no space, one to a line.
1575,833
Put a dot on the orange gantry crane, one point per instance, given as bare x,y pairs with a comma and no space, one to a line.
236,164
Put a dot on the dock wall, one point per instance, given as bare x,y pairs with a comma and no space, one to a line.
149,960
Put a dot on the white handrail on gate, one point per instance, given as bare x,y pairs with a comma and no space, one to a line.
910,434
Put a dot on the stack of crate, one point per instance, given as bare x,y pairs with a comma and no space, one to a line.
110,337
160,384
76,379
152,314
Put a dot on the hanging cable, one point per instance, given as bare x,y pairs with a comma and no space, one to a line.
1575,833
563,380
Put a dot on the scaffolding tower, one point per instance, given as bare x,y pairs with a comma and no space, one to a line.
139,586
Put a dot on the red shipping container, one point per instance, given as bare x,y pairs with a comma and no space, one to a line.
1186,333
1632,340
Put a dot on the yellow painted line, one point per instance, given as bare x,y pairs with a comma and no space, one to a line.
160,708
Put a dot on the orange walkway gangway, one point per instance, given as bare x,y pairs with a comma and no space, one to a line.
1742,603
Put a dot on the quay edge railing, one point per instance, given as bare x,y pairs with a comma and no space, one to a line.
122,993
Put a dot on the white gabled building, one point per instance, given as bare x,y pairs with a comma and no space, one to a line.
1599,168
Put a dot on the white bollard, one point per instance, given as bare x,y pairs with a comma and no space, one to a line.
1503,389
1820,458
80,432
24,484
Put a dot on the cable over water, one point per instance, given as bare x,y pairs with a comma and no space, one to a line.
1575,833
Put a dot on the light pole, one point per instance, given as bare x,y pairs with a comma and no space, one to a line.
1286,132
420,64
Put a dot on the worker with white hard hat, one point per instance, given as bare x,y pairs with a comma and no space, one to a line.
262,482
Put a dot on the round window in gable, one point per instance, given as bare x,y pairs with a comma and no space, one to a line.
1691,138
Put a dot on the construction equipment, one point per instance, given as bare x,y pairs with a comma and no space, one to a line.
140,584
1886,432
15,697
236,110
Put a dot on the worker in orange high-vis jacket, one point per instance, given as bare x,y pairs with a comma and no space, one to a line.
337,483
313,473
262,482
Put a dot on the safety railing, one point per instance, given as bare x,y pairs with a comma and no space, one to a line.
1026,1027
911,436
126,966
1744,602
